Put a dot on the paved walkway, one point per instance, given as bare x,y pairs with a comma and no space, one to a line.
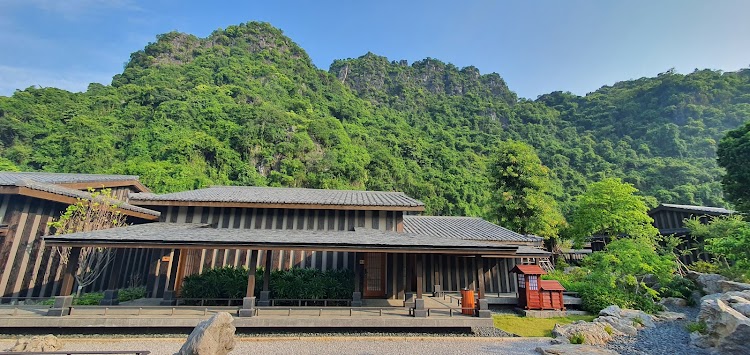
331,345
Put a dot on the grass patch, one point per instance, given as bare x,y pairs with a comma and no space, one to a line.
533,327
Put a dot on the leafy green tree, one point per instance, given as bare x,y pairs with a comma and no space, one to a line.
727,239
618,275
523,190
734,155
611,208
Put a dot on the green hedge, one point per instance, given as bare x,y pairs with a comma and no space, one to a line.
296,283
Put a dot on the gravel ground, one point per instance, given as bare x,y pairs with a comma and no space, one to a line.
323,345
667,338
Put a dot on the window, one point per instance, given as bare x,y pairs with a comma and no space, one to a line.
533,283
521,281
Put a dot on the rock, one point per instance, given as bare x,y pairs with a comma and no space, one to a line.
668,316
728,286
213,336
625,327
570,349
37,344
560,340
727,329
671,302
613,311
593,332
708,282
638,317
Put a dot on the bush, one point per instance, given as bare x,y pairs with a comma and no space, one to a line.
132,293
616,276
296,283
89,299
576,338
222,282
699,327
679,287
704,267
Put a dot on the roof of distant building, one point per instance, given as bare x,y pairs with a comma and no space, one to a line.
268,197
691,208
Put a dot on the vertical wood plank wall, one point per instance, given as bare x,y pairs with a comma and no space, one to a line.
28,268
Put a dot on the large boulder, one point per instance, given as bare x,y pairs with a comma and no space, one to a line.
38,343
673,302
213,336
616,323
727,328
709,283
729,286
593,333
634,317
570,349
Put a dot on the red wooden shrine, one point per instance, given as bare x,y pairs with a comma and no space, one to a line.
535,293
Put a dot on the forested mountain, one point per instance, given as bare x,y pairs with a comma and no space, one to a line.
247,106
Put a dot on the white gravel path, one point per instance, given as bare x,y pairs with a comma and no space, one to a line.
337,345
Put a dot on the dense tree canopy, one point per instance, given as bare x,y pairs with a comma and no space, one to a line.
522,191
734,156
246,106
611,208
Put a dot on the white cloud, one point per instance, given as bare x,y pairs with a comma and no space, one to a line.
19,78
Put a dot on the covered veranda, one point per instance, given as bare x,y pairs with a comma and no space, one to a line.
367,245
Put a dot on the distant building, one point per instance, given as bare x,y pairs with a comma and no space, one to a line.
669,219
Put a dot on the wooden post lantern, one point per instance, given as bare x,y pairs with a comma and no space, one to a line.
535,293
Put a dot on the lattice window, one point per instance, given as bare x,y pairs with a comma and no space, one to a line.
521,281
533,283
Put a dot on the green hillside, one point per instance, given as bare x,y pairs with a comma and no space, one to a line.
247,106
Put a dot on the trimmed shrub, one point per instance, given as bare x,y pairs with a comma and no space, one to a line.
296,283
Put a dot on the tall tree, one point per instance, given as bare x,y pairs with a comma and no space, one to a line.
611,207
99,212
734,155
523,190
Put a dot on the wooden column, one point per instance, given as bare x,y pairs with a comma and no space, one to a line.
251,274
419,271
181,265
357,273
69,276
480,275
267,271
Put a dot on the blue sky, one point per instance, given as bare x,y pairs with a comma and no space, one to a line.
538,46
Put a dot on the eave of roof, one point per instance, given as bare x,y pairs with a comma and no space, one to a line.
714,211
61,194
73,180
467,228
199,236
290,198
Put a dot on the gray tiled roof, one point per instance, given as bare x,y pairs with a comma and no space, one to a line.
702,209
9,178
467,228
280,195
64,191
202,234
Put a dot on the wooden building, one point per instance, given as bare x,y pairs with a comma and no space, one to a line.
294,209
28,202
376,234
669,219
